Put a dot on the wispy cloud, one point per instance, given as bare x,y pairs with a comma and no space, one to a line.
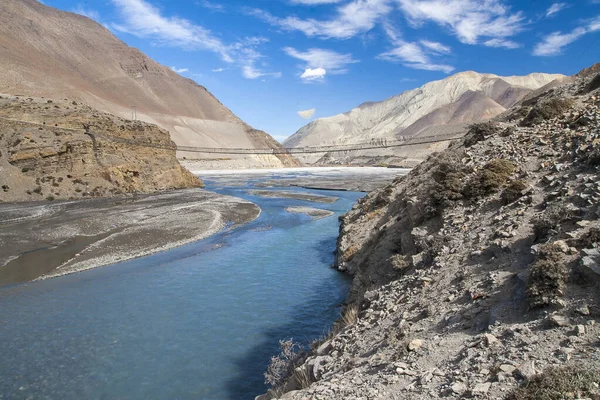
218,70
307,114
142,19
86,12
211,6
502,43
554,43
469,20
555,9
179,70
250,72
314,2
355,17
415,55
320,62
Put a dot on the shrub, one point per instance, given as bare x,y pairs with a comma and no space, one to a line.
549,222
281,367
590,239
350,253
478,132
38,190
558,384
513,191
350,315
546,110
548,276
50,198
448,173
491,177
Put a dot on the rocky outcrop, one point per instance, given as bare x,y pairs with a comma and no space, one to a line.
478,270
45,52
437,108
59,149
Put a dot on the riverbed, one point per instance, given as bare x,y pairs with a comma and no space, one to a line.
200,321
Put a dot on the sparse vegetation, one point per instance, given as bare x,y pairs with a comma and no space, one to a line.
490,178
350,253
50,198
37,190
513,191
448,174
350,315
590,239
559,384
478,132
548,276
546,110
550,220
281,367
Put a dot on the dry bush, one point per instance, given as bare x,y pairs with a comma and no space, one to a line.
559,384
547,110
490,178
590,239
478,132
448,173
399,262
281,367
350,315
513,191
350,252
550,221
548,277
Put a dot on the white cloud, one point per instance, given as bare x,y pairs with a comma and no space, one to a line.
91,14
436,47
334,62
307,114
211,6
355,17
469,20
554,43
250,72
314,2
310,74
415,55
555,9
218,70
142,19
179,70
503,43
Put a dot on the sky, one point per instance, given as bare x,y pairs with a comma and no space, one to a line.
279,64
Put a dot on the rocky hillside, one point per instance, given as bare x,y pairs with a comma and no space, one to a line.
478,274
47,152
45,52
441,107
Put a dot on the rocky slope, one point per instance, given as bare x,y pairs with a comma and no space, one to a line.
478,271
45,52
47,153
440,107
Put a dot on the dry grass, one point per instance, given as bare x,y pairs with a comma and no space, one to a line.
490,178
281,367
513,191
547,110
559,384
548,277
478,132
350,315
350,252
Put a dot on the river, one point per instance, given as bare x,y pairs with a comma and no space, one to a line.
196,322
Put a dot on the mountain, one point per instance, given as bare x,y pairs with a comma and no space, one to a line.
438,107
45,52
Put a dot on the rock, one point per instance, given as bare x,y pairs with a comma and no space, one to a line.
580,330
527,369
591,268
507,368
559,320
415,344
458,388
490,340
481,388
562,246
324,348
583,310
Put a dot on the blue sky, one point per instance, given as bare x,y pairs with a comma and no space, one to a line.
279,64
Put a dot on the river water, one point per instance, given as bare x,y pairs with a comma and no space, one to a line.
196,322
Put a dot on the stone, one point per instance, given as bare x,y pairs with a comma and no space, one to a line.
580,330
481,388
415,344
458,388
559,320
507,368
490,340
325,348
562,246
583,310
527,369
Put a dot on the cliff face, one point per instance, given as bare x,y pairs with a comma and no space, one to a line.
56,54
47,154
437,108
478,271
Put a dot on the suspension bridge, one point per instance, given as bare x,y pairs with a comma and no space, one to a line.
400,141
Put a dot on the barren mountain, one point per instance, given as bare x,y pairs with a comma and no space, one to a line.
438,107
45,52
